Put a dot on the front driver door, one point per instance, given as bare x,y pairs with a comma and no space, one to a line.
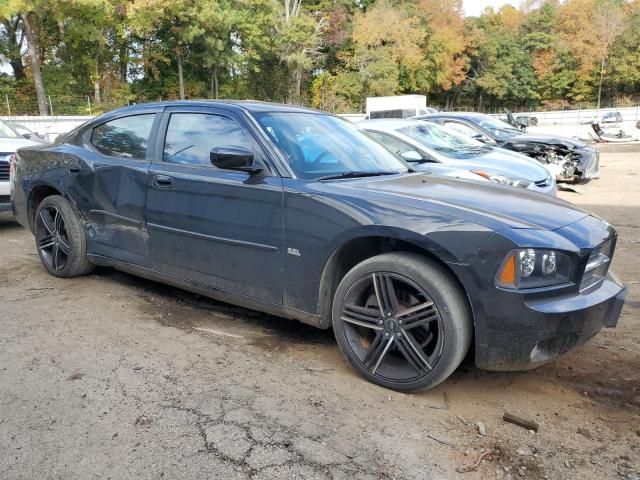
221,228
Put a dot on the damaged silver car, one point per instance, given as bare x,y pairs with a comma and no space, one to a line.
568,158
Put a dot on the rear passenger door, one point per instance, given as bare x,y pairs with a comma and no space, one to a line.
222,228
110,185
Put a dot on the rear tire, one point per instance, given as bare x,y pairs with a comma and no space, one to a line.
60,238
402,321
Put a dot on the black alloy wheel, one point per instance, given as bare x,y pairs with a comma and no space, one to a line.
52,239
60,238
393,327
402,321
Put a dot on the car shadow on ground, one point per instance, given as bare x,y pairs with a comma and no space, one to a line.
7,222
187,311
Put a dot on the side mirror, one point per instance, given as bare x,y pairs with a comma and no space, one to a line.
483,138
411,156
27,136
230,157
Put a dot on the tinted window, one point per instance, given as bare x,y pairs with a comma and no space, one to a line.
191,136
124,137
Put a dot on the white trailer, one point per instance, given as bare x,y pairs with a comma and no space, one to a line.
397,106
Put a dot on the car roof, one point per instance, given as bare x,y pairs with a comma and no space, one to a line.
389,123
251,106
467,115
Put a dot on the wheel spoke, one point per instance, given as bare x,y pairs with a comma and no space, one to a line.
385,294
412,353
48,222
54,257
58,222
382,354
46,242
362,316
64,246
418,315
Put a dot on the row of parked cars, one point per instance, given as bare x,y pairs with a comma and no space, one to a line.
304,215
480,147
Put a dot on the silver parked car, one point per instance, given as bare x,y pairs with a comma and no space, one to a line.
425,144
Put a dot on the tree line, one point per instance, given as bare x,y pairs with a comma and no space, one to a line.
329,54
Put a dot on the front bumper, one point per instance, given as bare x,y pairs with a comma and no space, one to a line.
5,198
537,330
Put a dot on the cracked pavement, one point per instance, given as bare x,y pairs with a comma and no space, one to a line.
110,376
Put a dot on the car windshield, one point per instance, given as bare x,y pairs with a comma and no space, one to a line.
496,127
443,140
7,132
318,146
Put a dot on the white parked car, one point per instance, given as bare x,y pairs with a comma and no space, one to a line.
10,141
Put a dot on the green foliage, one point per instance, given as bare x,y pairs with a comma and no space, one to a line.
99,54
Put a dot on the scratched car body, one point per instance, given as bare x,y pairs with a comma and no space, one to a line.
299,214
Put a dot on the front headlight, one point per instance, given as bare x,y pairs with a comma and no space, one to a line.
504,180
534,268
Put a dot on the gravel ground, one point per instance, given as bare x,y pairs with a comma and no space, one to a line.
110,376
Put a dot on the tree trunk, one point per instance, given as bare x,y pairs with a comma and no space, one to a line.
123,59
14,55
96,85
35,65
214,82
180,76
64,50
600,85
298,85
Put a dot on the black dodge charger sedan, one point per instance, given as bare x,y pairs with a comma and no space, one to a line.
299,214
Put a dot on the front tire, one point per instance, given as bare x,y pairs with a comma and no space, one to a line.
60,238
402,321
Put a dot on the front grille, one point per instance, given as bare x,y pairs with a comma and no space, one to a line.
5,199
4,171
598,264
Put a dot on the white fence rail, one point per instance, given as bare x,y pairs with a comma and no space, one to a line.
579,117
48,127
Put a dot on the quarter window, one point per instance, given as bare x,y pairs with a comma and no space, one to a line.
124,137
191,136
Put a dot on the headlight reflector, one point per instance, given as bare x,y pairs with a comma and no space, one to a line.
504,180
534,268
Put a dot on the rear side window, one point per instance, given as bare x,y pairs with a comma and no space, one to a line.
124,137
191,136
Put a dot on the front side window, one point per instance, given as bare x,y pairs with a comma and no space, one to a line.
191,137
498,128
124,137
317,145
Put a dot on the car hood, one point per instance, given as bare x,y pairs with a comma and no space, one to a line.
503,162
10,145
548,140
488,204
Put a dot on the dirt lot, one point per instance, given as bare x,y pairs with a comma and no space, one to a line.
109,376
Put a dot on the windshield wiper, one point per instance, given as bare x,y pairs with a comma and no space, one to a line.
355,174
